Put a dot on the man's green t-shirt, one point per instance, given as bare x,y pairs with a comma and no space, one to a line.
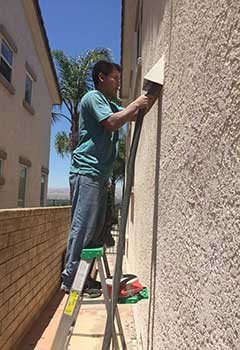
96,151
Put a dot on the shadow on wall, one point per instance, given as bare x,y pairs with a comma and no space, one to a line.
154,17
152,294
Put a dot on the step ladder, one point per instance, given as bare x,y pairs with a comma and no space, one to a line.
75,299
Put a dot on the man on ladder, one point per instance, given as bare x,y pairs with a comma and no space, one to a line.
92,165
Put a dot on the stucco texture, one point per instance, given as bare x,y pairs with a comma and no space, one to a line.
184,241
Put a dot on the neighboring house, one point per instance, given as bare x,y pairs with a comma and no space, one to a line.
28,89
183,229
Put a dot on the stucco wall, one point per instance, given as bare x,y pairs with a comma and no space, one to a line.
21,133
184,241
32,244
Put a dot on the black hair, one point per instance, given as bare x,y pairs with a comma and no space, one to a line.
104,67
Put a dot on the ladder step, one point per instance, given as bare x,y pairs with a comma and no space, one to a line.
74,301
71,308
92,253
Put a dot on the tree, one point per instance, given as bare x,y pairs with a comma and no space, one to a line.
118,174
74,76
119,166
61,144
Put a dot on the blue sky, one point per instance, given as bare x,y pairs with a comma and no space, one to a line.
74,27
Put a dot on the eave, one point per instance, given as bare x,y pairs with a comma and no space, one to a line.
35,20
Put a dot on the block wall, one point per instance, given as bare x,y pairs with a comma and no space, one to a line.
32,245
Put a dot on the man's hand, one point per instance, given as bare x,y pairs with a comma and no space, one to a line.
142,102
130,113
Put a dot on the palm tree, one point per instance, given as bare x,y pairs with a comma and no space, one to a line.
119,165
74,76
61,144
117,175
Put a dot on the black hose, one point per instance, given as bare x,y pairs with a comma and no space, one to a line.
122,230
154,90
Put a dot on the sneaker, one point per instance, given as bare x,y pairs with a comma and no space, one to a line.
91,293
65,288
92,283
109,241
87,292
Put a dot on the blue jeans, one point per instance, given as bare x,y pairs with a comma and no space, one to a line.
89,200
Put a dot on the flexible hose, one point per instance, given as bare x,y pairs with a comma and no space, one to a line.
122,230
153,91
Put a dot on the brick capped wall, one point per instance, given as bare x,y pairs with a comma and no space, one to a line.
32,244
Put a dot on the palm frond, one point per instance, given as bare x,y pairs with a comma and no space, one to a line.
61,144
74,75
56,116
85,65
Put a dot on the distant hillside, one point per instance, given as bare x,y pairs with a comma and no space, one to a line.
63,194
58,193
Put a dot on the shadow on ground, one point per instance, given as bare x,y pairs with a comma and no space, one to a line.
38,328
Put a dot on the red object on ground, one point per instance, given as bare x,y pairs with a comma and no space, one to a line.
129,285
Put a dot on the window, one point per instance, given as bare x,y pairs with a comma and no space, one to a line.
28,89
136,71
1,167
2,180
43,187
139,41
3,157
22,186
30,78
6,61
138,30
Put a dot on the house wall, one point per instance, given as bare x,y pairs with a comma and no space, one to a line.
183,240
32,244
21,133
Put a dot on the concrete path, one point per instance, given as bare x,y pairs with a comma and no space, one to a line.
89,329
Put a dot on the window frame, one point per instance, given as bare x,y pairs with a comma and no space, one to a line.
28,76
3,157
21,201
1,166
138,31
136,70
7,38
43,190
10,65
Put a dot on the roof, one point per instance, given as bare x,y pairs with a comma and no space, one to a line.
46,43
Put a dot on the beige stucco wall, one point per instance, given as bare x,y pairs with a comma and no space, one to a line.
21,133
184,239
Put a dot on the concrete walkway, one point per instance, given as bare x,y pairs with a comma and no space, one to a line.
89,329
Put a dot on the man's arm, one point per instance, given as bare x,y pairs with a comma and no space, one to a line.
118,119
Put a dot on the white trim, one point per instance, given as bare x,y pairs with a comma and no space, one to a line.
31,92
29,75
1,54
10,66
30,71
7,37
